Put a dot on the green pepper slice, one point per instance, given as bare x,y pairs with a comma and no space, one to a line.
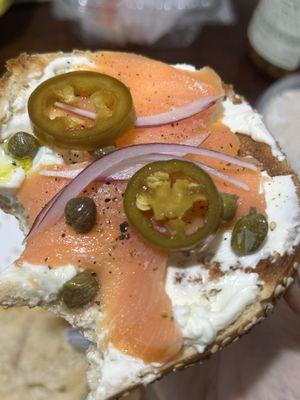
111,98
150,198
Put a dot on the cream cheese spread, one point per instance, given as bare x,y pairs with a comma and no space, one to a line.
33,284
241,118
284,234
113,371
202,306
46,156
11,175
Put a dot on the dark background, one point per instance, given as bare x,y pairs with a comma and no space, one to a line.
32,28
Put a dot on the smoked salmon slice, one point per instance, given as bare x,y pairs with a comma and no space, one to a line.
223,140
156,87
138,312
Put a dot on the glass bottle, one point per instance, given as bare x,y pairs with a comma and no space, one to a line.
274,36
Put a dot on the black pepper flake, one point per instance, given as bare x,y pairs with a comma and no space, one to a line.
110,272
94,262
179,277
63,235
107,200
123,236
124,227
46,259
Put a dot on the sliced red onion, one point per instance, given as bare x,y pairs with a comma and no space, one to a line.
174,115
72,173
209,170
39,219
196,140
76,110
252,160
177,114
132,165
111,164
224,177
66,173
138,162
174,150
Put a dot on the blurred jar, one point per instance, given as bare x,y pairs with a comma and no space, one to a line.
280,107
274,36
174,23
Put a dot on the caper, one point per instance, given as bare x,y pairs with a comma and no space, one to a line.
102,151
229,206
249,233
80,290
80,214
22,144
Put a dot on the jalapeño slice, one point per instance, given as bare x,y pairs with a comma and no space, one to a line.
161,198
111,100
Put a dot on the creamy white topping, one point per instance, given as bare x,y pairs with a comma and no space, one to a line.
11,176
241,118
185,67
46,156
9,186
10,182
16,115
29,284
113,371
202,307
32,284
284,219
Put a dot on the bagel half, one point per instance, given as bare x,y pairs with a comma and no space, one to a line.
275,273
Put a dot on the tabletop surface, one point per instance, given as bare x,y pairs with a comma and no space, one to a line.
32,28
